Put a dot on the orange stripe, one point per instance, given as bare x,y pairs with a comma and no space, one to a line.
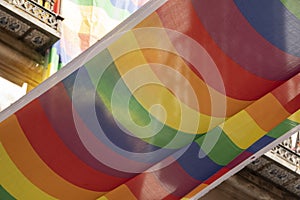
196,190
28,162
203,92
121,192
267,112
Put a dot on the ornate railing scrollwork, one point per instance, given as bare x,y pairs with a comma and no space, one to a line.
289,150
38,11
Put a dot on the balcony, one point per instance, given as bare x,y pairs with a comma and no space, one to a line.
30,27
27,30
288,152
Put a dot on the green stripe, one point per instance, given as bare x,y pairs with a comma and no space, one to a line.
113,12
223,150
53,60
139,115
282,128
293,6
4,195
60,65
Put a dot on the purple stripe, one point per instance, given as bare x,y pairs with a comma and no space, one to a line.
234,35
57,101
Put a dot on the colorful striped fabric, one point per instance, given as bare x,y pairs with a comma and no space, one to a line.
85,22
163,111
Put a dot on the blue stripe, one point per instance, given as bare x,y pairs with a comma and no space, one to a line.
274,22
110,133
105,119
260,144
199,168
124,5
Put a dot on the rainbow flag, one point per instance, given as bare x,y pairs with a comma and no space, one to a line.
85,22
174,100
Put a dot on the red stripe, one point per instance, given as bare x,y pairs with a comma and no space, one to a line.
239,83
169,182
56,7
288,94
56,155
217,175
174,176
64,123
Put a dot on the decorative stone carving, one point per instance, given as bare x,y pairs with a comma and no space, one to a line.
258,164
12,24
276,173
51,19
28,27
36,39
295,187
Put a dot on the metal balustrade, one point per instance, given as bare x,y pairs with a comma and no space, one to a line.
40,9
289,150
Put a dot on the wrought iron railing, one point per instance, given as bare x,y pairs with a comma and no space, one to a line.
289,150
40,9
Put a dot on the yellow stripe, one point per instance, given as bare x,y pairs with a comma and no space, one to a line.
132,66
243,130
295,117
102,198
233,105
26,159
14,181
